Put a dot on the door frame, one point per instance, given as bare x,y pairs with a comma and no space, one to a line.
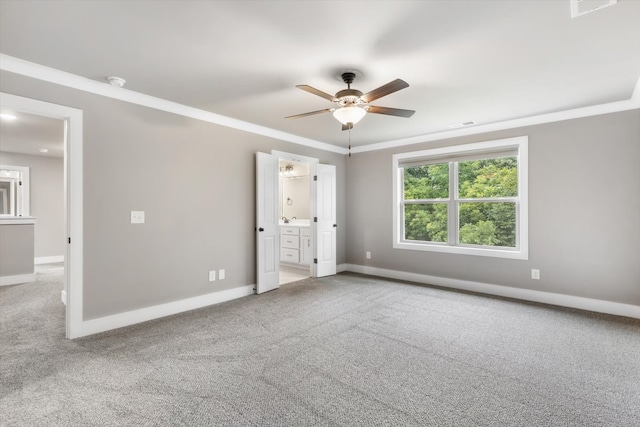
72,293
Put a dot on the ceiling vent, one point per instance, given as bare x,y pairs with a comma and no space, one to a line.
461,125
582,7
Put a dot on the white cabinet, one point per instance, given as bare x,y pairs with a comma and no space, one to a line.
289,242
290,255
295,245
306,251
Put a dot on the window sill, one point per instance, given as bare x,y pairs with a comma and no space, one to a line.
521,254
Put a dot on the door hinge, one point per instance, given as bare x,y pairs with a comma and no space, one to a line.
315,260
69,240
315,177
19,182
315,219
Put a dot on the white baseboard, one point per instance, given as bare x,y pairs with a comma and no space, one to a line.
48,259
63,297
598,306
341,267
17,279
128,318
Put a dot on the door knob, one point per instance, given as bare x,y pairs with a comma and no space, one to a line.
335,225
260,229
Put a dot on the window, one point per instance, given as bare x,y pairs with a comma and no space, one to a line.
468,199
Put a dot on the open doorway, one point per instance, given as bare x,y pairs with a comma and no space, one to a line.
296,240
271,225
68,152
32,212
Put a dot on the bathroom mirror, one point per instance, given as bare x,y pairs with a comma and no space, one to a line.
14,191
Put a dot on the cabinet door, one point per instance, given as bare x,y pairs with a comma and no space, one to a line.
291,242
290,255
306,251
293,231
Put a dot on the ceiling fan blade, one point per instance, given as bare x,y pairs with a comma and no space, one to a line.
347,126
385,90
398,112
297,116
320,93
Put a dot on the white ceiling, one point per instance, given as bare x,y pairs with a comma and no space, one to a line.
487,61
29,133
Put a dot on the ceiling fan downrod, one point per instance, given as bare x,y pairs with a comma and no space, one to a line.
348,78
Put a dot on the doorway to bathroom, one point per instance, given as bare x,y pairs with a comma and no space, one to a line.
289,248
296,242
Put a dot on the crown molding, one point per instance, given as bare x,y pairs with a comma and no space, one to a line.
52,75
594,110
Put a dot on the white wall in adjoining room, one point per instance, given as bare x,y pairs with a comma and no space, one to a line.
295,196
295,191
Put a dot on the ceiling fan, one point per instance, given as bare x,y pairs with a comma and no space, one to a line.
352,105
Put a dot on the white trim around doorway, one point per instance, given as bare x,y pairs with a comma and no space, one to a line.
72,117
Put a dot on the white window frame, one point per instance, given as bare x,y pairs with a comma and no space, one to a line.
445,154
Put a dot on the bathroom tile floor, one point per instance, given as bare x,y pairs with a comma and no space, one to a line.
292,274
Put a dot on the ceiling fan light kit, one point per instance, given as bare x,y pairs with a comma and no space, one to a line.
353,105
349,114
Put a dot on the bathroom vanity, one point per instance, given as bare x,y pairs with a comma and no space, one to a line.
295,243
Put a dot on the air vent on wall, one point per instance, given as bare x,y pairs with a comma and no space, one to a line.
582,7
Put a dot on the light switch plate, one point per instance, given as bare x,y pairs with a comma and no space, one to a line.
137,217
221,274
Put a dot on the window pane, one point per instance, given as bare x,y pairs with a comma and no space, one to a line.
488,178
426,222
426,182
488,224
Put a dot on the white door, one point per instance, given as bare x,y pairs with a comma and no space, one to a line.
267,236
325,227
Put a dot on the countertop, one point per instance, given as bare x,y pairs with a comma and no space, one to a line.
17,220
296,223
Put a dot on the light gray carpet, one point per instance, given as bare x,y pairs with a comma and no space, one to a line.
346,350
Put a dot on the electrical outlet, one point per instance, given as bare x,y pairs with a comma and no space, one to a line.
212,276
368,255
221,274
535,274
137,217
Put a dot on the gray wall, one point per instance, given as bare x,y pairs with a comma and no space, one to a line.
16,249
584,212
47,200
196,183
194,180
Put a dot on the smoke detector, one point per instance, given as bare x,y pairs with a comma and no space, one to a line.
116,81
582,7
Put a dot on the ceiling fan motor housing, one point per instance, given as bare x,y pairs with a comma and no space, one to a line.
349,96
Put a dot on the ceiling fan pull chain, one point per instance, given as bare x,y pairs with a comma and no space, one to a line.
349,142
